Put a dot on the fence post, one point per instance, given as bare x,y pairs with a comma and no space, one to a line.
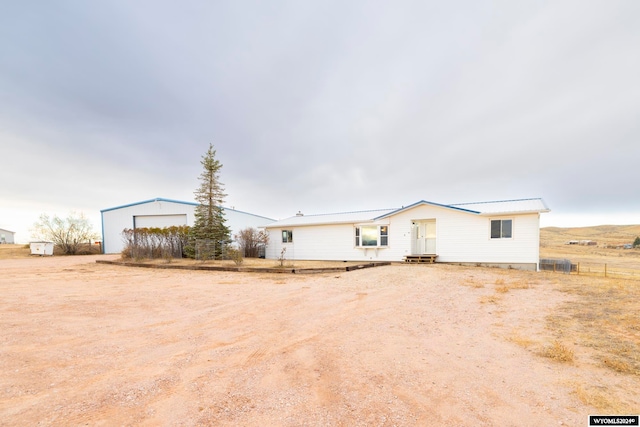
605,270
554,266
578,269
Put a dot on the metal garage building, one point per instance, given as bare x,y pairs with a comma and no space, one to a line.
161,212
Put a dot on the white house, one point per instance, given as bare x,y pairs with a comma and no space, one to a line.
161,212
7,236
502,233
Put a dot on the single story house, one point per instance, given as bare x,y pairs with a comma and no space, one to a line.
501,233
160,213
7,236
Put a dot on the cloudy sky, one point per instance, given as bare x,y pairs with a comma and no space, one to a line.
320,106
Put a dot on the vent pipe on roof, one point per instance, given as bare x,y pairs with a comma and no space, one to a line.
299,214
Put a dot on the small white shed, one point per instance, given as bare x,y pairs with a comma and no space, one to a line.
41,248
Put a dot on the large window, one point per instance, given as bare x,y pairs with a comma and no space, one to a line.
372,235
501,228
287,236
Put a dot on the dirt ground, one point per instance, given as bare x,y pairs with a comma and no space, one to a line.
94,344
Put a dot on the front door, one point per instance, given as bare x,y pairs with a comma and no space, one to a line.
424,237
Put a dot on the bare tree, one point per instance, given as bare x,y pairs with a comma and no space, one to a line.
251,241
68,233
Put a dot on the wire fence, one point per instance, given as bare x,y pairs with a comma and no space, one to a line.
588,269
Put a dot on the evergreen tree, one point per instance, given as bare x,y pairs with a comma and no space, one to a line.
636,243
209,225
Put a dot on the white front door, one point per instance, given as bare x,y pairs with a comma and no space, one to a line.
424,237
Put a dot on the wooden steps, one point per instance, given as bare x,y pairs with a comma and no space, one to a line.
425,258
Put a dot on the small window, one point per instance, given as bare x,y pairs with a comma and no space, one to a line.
501,228
384,235
287,236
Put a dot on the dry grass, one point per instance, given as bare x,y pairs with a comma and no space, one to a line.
596,398
624,263
255,263
620,366
520,285
490,299
602,316
14,251
472,282
516,282
23,251
516,338
558,352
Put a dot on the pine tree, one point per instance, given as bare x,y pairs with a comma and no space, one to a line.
209,225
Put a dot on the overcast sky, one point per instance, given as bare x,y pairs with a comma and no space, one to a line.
320,106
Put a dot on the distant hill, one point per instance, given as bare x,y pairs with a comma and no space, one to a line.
603,234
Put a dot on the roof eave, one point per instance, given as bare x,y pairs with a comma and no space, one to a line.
424,202
535,211
291,224
157,199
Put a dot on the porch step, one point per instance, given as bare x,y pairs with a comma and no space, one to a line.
425,258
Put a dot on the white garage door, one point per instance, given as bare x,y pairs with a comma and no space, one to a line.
159,221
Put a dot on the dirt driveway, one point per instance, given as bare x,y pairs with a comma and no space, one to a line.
94,344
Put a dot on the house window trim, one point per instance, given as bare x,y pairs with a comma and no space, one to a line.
501,228
288,237
358,236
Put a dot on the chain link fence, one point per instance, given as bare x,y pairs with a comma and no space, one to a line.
211,250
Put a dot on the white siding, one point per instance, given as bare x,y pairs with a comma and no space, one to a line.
164,211
464,237
159,221
461,237
6,236
323,242
116,220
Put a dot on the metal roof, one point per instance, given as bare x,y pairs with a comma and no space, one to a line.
424,202
157,199
503,207
161,199
333,218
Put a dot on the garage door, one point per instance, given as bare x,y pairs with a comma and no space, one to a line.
159,221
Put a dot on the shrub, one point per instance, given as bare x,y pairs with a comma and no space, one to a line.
167,242
251,241
235,255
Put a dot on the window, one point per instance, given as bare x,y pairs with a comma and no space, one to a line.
384,235
372,235
501,228
287,236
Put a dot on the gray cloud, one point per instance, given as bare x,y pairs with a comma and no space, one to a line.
321,106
